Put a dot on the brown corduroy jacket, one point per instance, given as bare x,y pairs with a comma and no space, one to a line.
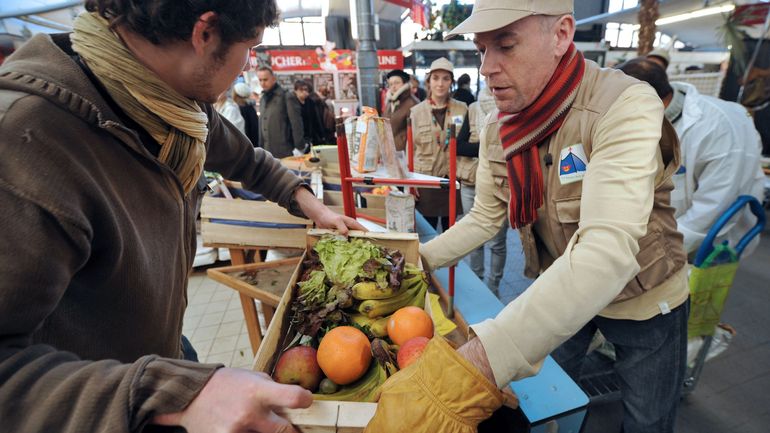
96,243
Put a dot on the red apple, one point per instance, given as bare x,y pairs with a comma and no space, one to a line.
299,366
410,351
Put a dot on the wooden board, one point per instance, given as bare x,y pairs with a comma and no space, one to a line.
332,198
353,417
232,236
239,236
321,417
297,163
374,207
331,169
267,353
332,417
376,201
374,212
350,417
332,180
248,210
269,290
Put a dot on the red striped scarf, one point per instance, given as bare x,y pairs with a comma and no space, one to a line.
521,134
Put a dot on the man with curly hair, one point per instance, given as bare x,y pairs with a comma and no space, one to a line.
104,136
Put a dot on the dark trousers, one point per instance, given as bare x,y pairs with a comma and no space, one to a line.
188,351
650,361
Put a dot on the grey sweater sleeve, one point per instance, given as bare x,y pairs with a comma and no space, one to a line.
44,389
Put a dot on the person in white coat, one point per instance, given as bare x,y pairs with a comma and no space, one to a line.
228,109
721,152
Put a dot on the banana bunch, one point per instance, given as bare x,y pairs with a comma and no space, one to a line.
378,327
365,389
366,290
385,356
370,290
412,292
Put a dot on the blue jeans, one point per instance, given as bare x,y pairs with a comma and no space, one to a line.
651,360
498,248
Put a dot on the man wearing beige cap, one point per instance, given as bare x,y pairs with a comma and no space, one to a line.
660,57
581,158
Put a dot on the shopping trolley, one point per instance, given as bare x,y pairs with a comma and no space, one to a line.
711,277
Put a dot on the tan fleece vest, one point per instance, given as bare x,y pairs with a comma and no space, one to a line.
661,253
429,157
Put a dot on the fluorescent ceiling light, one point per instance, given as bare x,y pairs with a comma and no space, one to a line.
695,14
691,15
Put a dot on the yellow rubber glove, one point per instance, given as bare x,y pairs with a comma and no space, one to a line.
440,392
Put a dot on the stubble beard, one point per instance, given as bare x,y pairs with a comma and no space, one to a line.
203,83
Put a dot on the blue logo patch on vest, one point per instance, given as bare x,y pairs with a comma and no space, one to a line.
572,164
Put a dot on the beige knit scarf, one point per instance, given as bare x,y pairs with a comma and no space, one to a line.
177,123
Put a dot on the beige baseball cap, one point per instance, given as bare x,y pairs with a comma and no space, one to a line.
661,53
442,64
491,15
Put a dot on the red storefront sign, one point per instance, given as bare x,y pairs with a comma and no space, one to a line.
390,59
335,60
290,60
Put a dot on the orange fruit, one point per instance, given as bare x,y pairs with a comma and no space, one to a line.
344,354
409,322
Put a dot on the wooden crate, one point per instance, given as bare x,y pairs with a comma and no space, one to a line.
375,201
270,287
335,416
227,223
333,200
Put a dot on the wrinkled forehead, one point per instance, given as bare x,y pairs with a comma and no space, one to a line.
515,30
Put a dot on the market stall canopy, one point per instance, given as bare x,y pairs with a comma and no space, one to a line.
56,15
694,22
439,45
460,53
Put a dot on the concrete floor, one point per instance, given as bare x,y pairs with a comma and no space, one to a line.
733,394
214,322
